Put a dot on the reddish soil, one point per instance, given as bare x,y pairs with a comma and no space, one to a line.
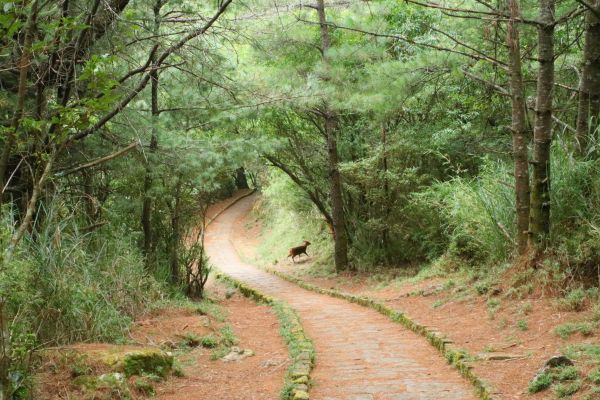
257,377
467,321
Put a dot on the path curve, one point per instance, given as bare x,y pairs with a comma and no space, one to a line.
360,354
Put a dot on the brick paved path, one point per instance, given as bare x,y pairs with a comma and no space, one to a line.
361,355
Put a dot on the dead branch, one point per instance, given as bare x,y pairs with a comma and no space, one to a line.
99,160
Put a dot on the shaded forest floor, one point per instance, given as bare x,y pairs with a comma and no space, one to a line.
198,336
509,333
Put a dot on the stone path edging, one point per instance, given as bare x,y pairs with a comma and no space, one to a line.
454,356
300,347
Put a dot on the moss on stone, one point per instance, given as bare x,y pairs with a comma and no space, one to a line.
301,395
147,362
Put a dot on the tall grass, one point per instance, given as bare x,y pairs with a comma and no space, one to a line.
289,218
64,286
479,213
575,234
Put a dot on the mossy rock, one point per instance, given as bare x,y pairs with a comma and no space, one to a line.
301,395
142,362
301,379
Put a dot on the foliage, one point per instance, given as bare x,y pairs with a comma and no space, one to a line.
415,99
289,220
566,330
541,382
478,213
64,286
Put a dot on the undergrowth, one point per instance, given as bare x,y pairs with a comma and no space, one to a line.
64,285
289,219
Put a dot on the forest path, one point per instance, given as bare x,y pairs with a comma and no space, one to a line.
360,354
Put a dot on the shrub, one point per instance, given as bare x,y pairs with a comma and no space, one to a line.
479,213
566,389
540,382
567,373
574,300
64,286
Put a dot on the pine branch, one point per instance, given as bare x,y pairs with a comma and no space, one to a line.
146,78
475,57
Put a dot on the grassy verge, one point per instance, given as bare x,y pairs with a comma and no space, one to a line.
300,347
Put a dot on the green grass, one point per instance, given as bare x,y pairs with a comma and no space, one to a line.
574,300
228,338
563,380
592,394
525,308
209,307
209,341
594,375
438,303
562,390
541,382
567,373
566,330
221,345
493,305
522,325
482,287
219,352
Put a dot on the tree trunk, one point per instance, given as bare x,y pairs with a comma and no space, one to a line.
175,234
335,183
588,110
520,134
88,191
337,201
542,133
155,112
147,205
385,234
4,351
24,65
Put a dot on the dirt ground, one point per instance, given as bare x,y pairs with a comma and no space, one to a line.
522,328
256,327
258,377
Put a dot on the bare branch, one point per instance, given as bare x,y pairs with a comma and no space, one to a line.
475,57
142,84
100,160
491,85
590,7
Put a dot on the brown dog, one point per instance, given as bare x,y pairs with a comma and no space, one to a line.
296,251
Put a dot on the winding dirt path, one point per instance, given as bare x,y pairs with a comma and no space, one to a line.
361,355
